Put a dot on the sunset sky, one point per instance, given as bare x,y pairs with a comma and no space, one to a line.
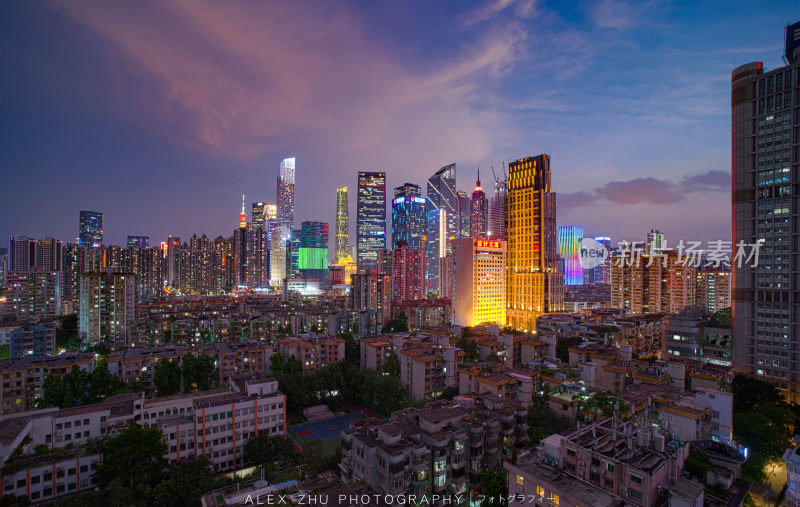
161,114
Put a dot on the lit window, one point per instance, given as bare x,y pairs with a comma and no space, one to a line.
520,480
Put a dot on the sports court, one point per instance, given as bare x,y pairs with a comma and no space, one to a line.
323,430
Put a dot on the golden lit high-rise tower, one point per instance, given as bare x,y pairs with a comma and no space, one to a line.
535,284
342,224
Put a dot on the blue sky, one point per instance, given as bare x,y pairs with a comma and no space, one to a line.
162,114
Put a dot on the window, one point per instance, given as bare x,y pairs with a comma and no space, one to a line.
636,479
554,499
520,480
539,492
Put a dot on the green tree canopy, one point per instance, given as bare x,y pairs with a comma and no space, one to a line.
167,378
494,487
392,366
134,456
186,483
470,348
275,454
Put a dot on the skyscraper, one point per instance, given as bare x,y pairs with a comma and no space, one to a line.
313,252
138,241
535,285
408,273
436,248
49,254
342,224
408,216
602,272
497,210
286,193
766,302
90,230
478,212
442,195
462,210
479,294
107,307
370,218
21,253
257,215
655,242
569,247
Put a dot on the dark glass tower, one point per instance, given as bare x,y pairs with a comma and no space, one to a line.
371,218
90,231
408,216
766,299
442,195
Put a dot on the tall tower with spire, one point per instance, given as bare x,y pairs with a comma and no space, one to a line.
243,216
478,211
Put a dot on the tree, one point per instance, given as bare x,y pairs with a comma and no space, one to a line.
543,421
470,348
449,393
763,422
494,487
392,366
134,456
167,378
398,324
198,372
101,382
276,364
766,431
186,483
275,454
67,332
55,393
316,457
352,350
697,464
563,345
493,358
749,392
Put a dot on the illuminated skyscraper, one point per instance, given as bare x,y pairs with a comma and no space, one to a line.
462,210
602,272
478,212
107,307
569,246
408,273
286,194
278,256
442,195
90,230
342,224
243,216
655,241
535,285
370,218
436,248
766,300
408,216
257,218
497,211
479,293
138,241
313,253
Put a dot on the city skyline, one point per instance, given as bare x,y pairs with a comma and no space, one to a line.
686,106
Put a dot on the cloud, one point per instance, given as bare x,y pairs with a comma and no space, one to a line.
238,80
522,8
649,190
616,14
